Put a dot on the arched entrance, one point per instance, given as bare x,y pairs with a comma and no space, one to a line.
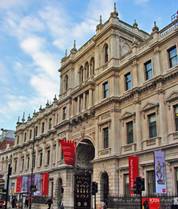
104,185
85,153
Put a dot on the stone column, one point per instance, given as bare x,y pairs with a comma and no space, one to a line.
163,119
83,106
78,101
90,98
156,62
135,74
138,128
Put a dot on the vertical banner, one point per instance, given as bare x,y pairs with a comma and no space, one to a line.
29,183
133,172
37,183
18,184
45,178
69,149
24,183
160,172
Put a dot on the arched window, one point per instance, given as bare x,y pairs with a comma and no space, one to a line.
66,82
86,70
81,74
104,185
105,53
92,66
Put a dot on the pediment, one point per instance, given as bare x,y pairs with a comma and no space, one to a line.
173,96
149,106
127,115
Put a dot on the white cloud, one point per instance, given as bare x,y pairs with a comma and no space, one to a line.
7,4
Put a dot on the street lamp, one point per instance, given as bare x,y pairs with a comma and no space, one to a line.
31,175
7,184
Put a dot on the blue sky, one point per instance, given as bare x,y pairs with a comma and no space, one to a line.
35,33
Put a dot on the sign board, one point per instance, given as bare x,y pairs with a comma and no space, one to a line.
150,203
133,172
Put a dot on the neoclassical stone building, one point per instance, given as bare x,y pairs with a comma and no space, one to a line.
118,97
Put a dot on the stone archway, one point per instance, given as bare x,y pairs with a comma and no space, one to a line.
104,185
85,154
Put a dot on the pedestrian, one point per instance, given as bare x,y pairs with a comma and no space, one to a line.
26,202
14,202
61,206
49,202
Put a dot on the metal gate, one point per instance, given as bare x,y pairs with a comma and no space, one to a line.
82,190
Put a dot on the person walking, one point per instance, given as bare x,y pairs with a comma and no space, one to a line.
49,202
26,202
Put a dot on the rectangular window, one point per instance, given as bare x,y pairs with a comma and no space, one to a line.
128,81
152,125
126,185
105,137
80,103
42,127
15,165
129,126
64,112
36,130
148,70
41,158
50,123
176,116
151,182
176,179
28,162
17,139
25,137
48,157
22,160
30,136
105,89
172,53
86,99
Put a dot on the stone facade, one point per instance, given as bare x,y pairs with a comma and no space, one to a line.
120,92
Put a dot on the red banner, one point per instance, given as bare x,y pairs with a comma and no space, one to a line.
69,149
133,172
18,184
150,203
45,180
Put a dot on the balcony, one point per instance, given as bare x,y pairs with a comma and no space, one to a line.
104,152
151,143
128,148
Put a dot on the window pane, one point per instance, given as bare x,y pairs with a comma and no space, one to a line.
172,56
129,132
148,70
128,81
105,89
176,116
150,182
152,125
105,137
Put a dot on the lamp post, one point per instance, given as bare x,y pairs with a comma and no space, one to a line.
31,175
7,184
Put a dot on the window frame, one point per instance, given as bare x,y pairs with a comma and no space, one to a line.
148,70
176,116
130,140
105,89
152,126
128,81
105,131
171,58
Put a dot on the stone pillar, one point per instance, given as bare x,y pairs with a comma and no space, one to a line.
78,101
156,62
83,106
90,98
135,74
163,119
138,128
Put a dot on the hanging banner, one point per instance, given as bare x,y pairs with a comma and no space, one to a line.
69,149
150,203
37,183
45,179
29,183
133,172
24,184
160,172
18,184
